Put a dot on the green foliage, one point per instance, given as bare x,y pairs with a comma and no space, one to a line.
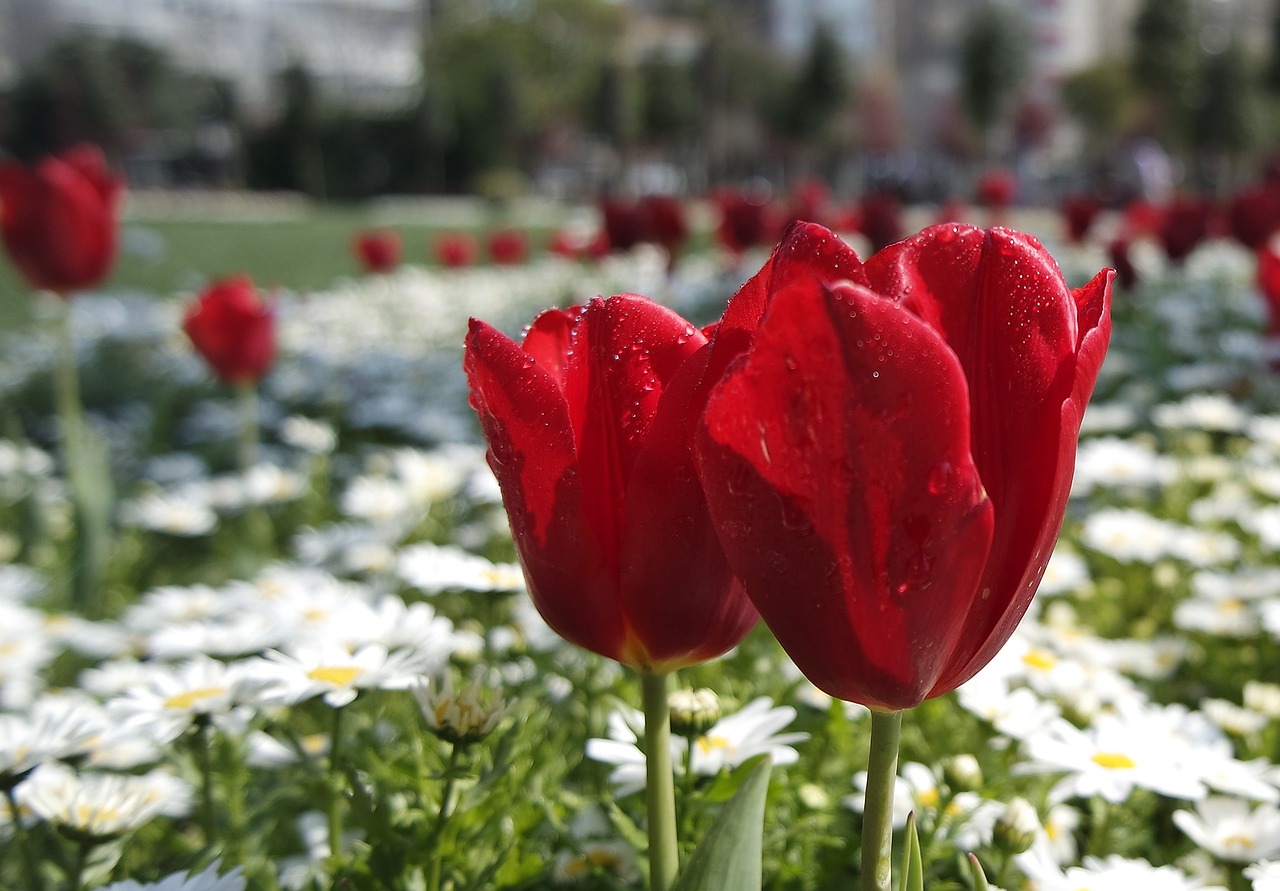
1166,61
992,62
1229,112
819,90
1101,98
669,111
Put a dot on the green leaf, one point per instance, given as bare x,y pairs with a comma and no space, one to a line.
912,875
979,877
730,853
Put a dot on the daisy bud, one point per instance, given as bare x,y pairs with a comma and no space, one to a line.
962,773
1263,698
1016,827
693,712
464,716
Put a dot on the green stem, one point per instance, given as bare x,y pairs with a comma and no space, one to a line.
204,751
247,445
67,382
23,842
75,880
436,867
237,828
664,851
877,812
336,785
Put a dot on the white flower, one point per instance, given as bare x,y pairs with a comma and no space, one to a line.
732,740
378,499
1233,718
432,568
1110,461
1109,759
1065,573
54,727
1201,411
102,805
1231,831
461,716
209,880
173,697
308,434
1118,874
1265,875
332,671
173,512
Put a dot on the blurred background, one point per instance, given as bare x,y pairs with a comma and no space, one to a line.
343,100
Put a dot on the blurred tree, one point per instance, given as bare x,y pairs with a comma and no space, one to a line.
611,110
497,79
1229,113
992,63
71,96
1166,62
819,91
669,106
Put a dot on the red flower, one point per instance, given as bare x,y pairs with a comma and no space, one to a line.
589,426
1269,285
1079,212
233,329
622,225
1183,225
378,250
746,220
58,219
888,460
662,222
455,250
508,246
997,189
1254,215
881,218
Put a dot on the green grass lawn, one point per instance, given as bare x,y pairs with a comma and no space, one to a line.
165,251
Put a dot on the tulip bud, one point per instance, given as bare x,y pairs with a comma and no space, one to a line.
693,712
962,773
1015,829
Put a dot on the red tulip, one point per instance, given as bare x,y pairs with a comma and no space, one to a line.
881,218
455,250
1254,215
234,330
1269,285
1183,225
58,219
1126,272
621,223
745,221
378,250
888,460
508,247
662,222
1079,212
997,189
588,423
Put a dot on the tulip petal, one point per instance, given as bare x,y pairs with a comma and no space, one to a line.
836,465
549,340
678,603
531,450
1000,301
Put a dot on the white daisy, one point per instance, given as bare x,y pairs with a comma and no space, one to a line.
732,740
1265,875
173,512
54,727
331,670
174,697
102,805
1230,830
432,568
209,880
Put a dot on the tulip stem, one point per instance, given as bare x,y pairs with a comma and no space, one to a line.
247,445
877,812
660,791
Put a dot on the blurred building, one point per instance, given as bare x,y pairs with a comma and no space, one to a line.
362,51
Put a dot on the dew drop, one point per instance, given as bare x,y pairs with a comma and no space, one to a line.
876,373
939,479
